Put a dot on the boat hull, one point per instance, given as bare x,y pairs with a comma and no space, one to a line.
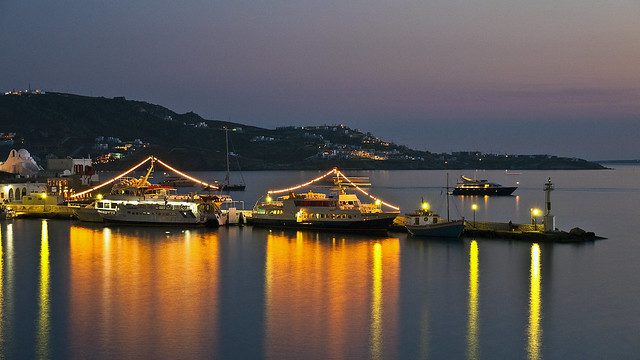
451,229
377,224
492,191
88,215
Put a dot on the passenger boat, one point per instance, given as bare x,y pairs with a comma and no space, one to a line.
467,186
319,211
425,223
135,200
154,212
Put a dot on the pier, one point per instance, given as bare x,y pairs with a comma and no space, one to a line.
526,232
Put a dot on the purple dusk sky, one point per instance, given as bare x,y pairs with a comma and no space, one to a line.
560,77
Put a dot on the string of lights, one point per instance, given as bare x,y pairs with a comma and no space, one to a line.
185,175
333,171
339,173
112,180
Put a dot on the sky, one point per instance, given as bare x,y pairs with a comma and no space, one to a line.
502,76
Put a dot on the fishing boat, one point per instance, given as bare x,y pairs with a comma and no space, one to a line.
425,223
339,210
468,186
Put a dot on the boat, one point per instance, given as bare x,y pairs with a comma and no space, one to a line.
154,212
360,181
468,186
319,211
135,200
425,223
226,185
177,181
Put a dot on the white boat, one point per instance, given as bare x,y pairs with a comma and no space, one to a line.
153,212
314,210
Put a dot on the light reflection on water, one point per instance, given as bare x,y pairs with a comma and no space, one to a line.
323,291
535,305
142,290
375,341
2,330
472,327
42,345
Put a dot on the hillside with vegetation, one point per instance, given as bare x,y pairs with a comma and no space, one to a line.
118,132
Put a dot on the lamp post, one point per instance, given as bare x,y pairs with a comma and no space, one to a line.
474,207
534,213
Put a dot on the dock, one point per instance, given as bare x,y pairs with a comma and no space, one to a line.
42,211
526,232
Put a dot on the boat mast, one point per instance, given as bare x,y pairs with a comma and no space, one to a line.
447,195
226,142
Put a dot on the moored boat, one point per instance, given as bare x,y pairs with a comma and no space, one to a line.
425,223
475,187
319,211
164,213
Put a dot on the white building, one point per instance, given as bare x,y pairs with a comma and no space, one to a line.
15,191
83,168
21,163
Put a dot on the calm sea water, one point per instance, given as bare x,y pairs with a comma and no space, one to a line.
71,290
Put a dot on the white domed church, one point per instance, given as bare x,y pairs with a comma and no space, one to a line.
21,163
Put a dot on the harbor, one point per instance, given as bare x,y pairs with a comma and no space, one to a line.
328,202
260,283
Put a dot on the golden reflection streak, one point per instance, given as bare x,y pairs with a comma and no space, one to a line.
42,346
376,304
535,305
2,347
472,326
9,297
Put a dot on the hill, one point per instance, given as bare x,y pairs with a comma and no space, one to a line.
119,132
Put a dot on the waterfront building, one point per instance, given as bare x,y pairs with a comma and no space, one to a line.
17,190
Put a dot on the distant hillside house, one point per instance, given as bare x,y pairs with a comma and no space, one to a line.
20,163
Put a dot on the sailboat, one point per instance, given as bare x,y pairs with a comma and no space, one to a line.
226,184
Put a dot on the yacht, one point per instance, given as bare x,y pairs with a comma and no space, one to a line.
468,186
314,210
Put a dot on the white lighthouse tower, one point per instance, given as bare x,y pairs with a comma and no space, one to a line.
548,220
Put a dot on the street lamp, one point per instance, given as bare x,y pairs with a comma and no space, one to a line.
474,207
535,212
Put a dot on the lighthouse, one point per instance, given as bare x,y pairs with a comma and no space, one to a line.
548,220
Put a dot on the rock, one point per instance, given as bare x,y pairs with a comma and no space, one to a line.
577,232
